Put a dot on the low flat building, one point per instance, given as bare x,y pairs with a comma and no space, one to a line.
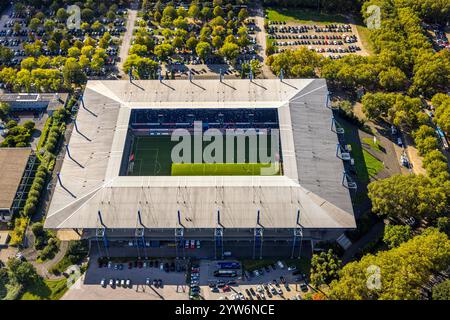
34,102
14,173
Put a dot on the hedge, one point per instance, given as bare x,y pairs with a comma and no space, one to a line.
20,225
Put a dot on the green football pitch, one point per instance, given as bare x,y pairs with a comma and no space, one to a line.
152,157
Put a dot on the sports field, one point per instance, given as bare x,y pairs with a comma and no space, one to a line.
223,169
152,157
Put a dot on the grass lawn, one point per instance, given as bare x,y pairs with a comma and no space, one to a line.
46,290
367,166
374,146
220,169
373,165
303,16
364,33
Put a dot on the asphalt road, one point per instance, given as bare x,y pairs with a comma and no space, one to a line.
127,37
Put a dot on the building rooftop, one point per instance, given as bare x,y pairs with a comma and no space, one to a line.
53,100
311,180
12,163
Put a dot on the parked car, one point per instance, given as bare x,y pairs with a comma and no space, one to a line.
304,287
103,283
147,281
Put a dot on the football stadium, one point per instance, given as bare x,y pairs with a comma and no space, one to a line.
247,168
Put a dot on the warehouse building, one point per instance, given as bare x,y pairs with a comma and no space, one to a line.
252,216
16,175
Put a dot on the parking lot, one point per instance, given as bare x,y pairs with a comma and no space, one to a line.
96,282
334,40
271,282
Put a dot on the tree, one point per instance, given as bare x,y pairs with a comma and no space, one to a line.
441,291
73,73
29,125
168,15
395,274
28,63
64,45
243,14
181,23
205,13
73,52
34,24
229,50
432,72
425,139
87,14
324,268
61,15
163,51
22,272
394,235
217,42
142,68
402,196
177,43
140,50
218,12
300,63
255,66
193,11
377,105
393,79
6,54
4,110
203,49
191,43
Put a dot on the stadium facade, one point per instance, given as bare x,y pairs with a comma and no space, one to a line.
252,216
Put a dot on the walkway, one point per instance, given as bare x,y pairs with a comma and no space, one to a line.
374,234
257,14
127,37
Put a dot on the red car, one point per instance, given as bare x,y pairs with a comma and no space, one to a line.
226,288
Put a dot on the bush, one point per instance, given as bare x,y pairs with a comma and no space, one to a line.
76,253
18,233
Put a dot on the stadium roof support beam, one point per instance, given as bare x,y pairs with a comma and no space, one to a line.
342,153
100,234
336,127
258,243
298,237
179,236
348,182
139,234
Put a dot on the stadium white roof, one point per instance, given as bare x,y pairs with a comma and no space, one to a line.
312,180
